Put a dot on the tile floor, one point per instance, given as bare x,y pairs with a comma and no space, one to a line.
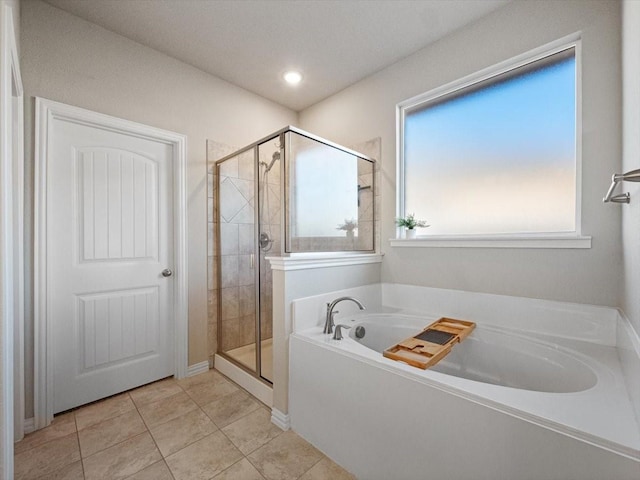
198,428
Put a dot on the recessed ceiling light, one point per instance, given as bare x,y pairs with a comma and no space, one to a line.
292,77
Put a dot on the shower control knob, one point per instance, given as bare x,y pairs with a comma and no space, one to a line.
166,272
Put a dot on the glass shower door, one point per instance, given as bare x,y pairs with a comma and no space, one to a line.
269,210
237,254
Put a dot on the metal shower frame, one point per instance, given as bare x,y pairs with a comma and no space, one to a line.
284,149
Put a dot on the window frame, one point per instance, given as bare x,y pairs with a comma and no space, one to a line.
572,239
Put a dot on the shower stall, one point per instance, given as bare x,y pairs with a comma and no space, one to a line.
287,194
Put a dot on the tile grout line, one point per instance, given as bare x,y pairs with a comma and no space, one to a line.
322,455
254,465
164,460
258,447
199,407
118,443
102,421
43,443
58,439
144,422
84,476
77,431
219,429
147,430
260,405
321,459
220,473
152,439
190,443
239,418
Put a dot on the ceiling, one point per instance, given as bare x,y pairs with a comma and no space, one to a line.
251,43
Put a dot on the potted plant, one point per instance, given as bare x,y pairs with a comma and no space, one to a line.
348,226
410,223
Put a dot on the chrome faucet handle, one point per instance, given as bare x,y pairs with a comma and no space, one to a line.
329,323
332,323
327,320
338,334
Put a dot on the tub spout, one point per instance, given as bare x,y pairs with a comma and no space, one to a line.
329,324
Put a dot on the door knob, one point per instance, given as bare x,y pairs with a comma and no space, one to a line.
166,272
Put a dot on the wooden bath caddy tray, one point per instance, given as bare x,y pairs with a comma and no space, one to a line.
431,345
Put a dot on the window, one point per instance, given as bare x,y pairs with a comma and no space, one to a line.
495,155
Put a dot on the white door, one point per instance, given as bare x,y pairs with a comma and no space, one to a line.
109,239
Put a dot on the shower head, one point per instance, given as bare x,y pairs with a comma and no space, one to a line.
275,156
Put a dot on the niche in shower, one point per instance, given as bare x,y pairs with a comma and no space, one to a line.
286,194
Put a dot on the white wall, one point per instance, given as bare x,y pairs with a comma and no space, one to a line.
367,109
76,62
631,158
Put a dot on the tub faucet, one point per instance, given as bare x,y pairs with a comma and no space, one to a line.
328,324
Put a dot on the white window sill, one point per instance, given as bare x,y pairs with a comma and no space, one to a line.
488,241
308,260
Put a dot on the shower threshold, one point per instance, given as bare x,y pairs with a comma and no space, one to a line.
260,388
246,355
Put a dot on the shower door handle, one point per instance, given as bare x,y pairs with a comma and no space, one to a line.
253,261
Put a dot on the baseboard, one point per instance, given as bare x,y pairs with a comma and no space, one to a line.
280,420
29,425
198,368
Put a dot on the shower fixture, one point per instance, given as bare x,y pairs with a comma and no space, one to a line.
265,242
274,158
361,188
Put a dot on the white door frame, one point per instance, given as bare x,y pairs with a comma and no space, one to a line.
11,164
46,112
16,113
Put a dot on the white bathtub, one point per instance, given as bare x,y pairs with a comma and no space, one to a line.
488,355
520,405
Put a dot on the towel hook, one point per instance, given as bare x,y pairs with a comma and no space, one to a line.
631,176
